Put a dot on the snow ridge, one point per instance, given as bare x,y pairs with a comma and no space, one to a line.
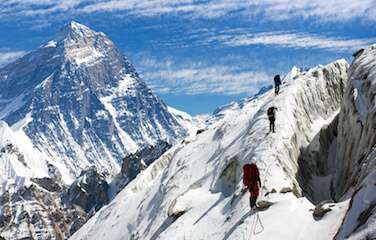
193,190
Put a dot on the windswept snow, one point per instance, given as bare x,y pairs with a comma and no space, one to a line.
193,190
18,159
8,106
85,55
127,141
50,44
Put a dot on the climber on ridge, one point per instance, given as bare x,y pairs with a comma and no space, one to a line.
277,83
271,116
252,182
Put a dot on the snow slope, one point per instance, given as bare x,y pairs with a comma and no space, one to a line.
17,158
193,190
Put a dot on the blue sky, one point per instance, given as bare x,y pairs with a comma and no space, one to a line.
199,54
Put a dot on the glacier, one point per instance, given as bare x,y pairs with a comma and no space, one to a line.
194,190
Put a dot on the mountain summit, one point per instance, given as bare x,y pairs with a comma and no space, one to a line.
74,30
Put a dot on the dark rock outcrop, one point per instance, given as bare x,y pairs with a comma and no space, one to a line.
48,183
321,209
89,191
43,211
264,205
134,163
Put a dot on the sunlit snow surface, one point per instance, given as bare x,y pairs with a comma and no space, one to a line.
189,193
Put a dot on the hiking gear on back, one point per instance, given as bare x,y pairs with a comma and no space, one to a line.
247,175
271,112
277,80
271,116
251,179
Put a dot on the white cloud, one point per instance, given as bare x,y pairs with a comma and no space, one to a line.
325,10
290,40
37,7
321,10
7,57
198,78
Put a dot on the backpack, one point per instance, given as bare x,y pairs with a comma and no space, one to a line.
270,112
250,174
277,80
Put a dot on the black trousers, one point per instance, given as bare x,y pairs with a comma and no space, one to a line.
276,89
272,125
252,201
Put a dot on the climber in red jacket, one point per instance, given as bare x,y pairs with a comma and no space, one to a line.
251,181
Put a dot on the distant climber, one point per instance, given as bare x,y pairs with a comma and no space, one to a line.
271,116
252,182
277,83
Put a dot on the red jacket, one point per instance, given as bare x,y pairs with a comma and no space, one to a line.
251,179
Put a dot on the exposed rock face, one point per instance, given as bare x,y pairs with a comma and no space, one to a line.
89,191
135,162
47,183
49,210
320,210
34,213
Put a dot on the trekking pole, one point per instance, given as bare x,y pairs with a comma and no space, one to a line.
257,219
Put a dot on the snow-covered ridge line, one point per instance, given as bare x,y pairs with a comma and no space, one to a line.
189,192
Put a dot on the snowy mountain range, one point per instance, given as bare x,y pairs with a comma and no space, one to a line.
79,125
72,104
318,169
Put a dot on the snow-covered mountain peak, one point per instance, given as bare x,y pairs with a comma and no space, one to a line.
73,103
82,102
74,31
294,72
83,46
